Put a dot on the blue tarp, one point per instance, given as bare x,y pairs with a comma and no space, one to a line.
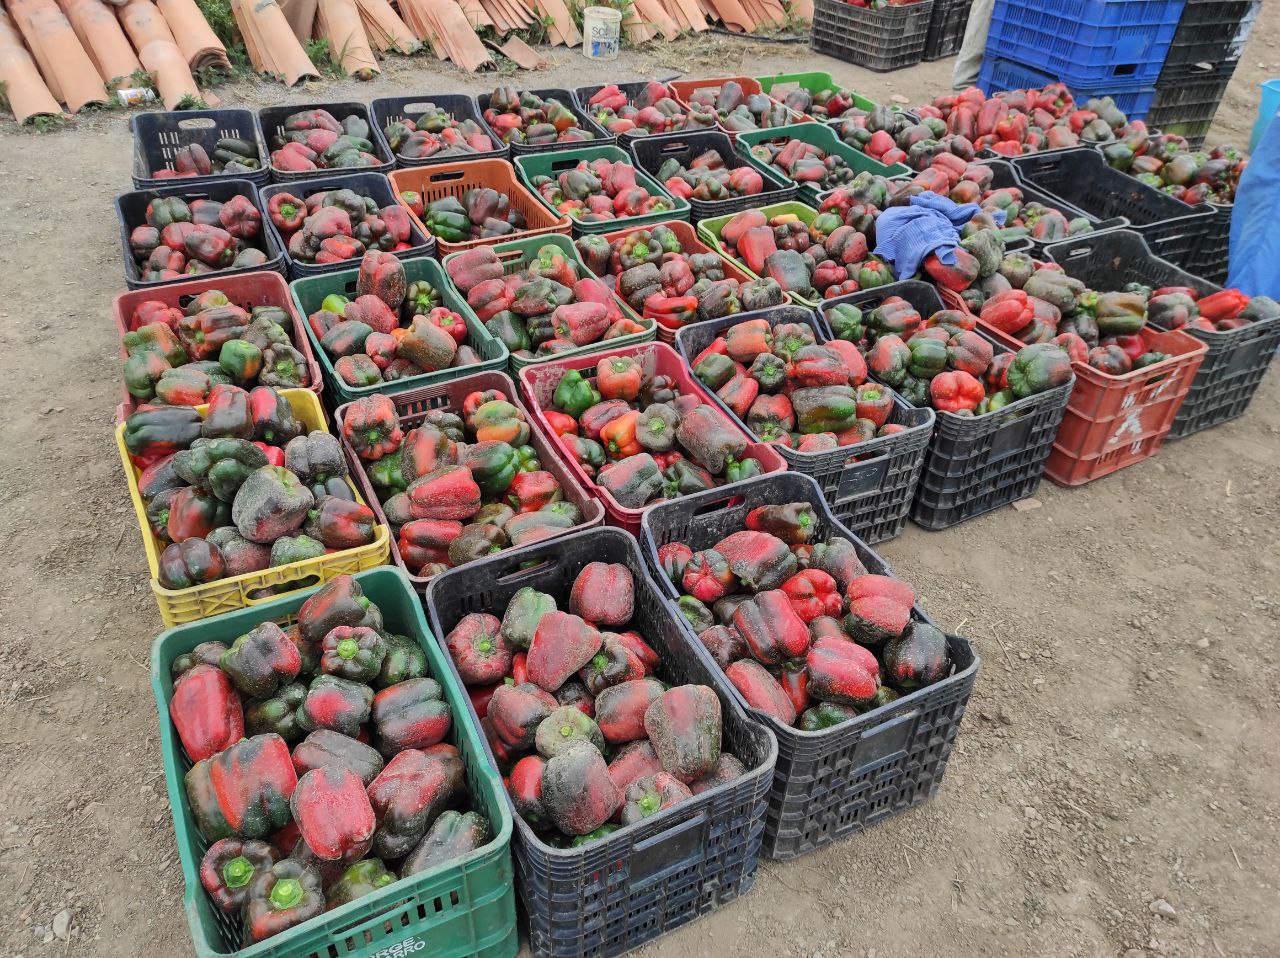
1255,221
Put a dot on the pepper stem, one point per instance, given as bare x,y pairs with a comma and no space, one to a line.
237,872
347,648
286,893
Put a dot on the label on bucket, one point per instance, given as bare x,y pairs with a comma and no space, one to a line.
410,946
603,39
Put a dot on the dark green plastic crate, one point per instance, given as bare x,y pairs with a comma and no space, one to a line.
515,253
310,291
553,164
460,909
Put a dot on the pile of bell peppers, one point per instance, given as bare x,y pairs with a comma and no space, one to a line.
521,116
323,770
459,485
587,734
822,259
549,306
391,329
801,629
654,110
735,110
316,140
335,225
176,354
656,277
1037,302
833,103
238,486
190,238
793,391
804,163
231,155
942,361
639,437
709,177
480,213
436,134
598,191
1167,163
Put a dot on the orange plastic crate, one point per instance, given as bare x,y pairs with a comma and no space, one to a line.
454,179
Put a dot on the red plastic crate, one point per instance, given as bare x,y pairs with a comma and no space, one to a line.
1114,421
657,359
245,290
690,244
413,405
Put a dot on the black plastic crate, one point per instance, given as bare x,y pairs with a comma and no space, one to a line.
1237,359
946,28
646,879
157,136
1083,178
1005,176
374,185
1210,32
879,40
1212,259
650,152
582,94
460,106
976,463
838,781
869,486
131,211
271,124
1186,104
603,136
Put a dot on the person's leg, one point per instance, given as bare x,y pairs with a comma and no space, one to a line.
969,60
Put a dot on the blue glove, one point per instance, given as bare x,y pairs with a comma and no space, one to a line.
905,235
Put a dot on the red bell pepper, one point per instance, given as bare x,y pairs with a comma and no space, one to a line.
953,391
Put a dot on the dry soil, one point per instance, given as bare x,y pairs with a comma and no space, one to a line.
1115,787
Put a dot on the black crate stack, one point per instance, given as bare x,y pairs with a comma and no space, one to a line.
1202,59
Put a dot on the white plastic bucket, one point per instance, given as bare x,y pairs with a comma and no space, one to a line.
600,29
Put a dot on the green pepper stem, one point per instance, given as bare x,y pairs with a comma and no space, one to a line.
286,893
347,648
237,872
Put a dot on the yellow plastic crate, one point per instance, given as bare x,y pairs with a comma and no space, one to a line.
226,595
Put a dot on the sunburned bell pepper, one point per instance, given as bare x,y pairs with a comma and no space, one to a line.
771,417
190,562
771,628
619,377
409,794
813,593
954,391
493,465
372,427
206,712
229,868
262,660
824,409
530,491
335,704
795,523
561,423
353,652
288,894
656,427
244,790
574,394
499,420
684,478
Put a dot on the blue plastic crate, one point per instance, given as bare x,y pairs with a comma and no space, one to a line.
997,75
1090,42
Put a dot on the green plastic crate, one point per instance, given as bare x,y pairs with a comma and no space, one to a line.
460,909
814,82
310,291
554,163
709,230
823,137
516,253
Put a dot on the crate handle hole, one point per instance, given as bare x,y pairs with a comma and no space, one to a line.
719,505
447,175
519,574
196,123
267,593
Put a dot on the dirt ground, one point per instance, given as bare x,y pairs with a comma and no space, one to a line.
1114,790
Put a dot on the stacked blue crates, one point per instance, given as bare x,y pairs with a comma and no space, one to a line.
1097,48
